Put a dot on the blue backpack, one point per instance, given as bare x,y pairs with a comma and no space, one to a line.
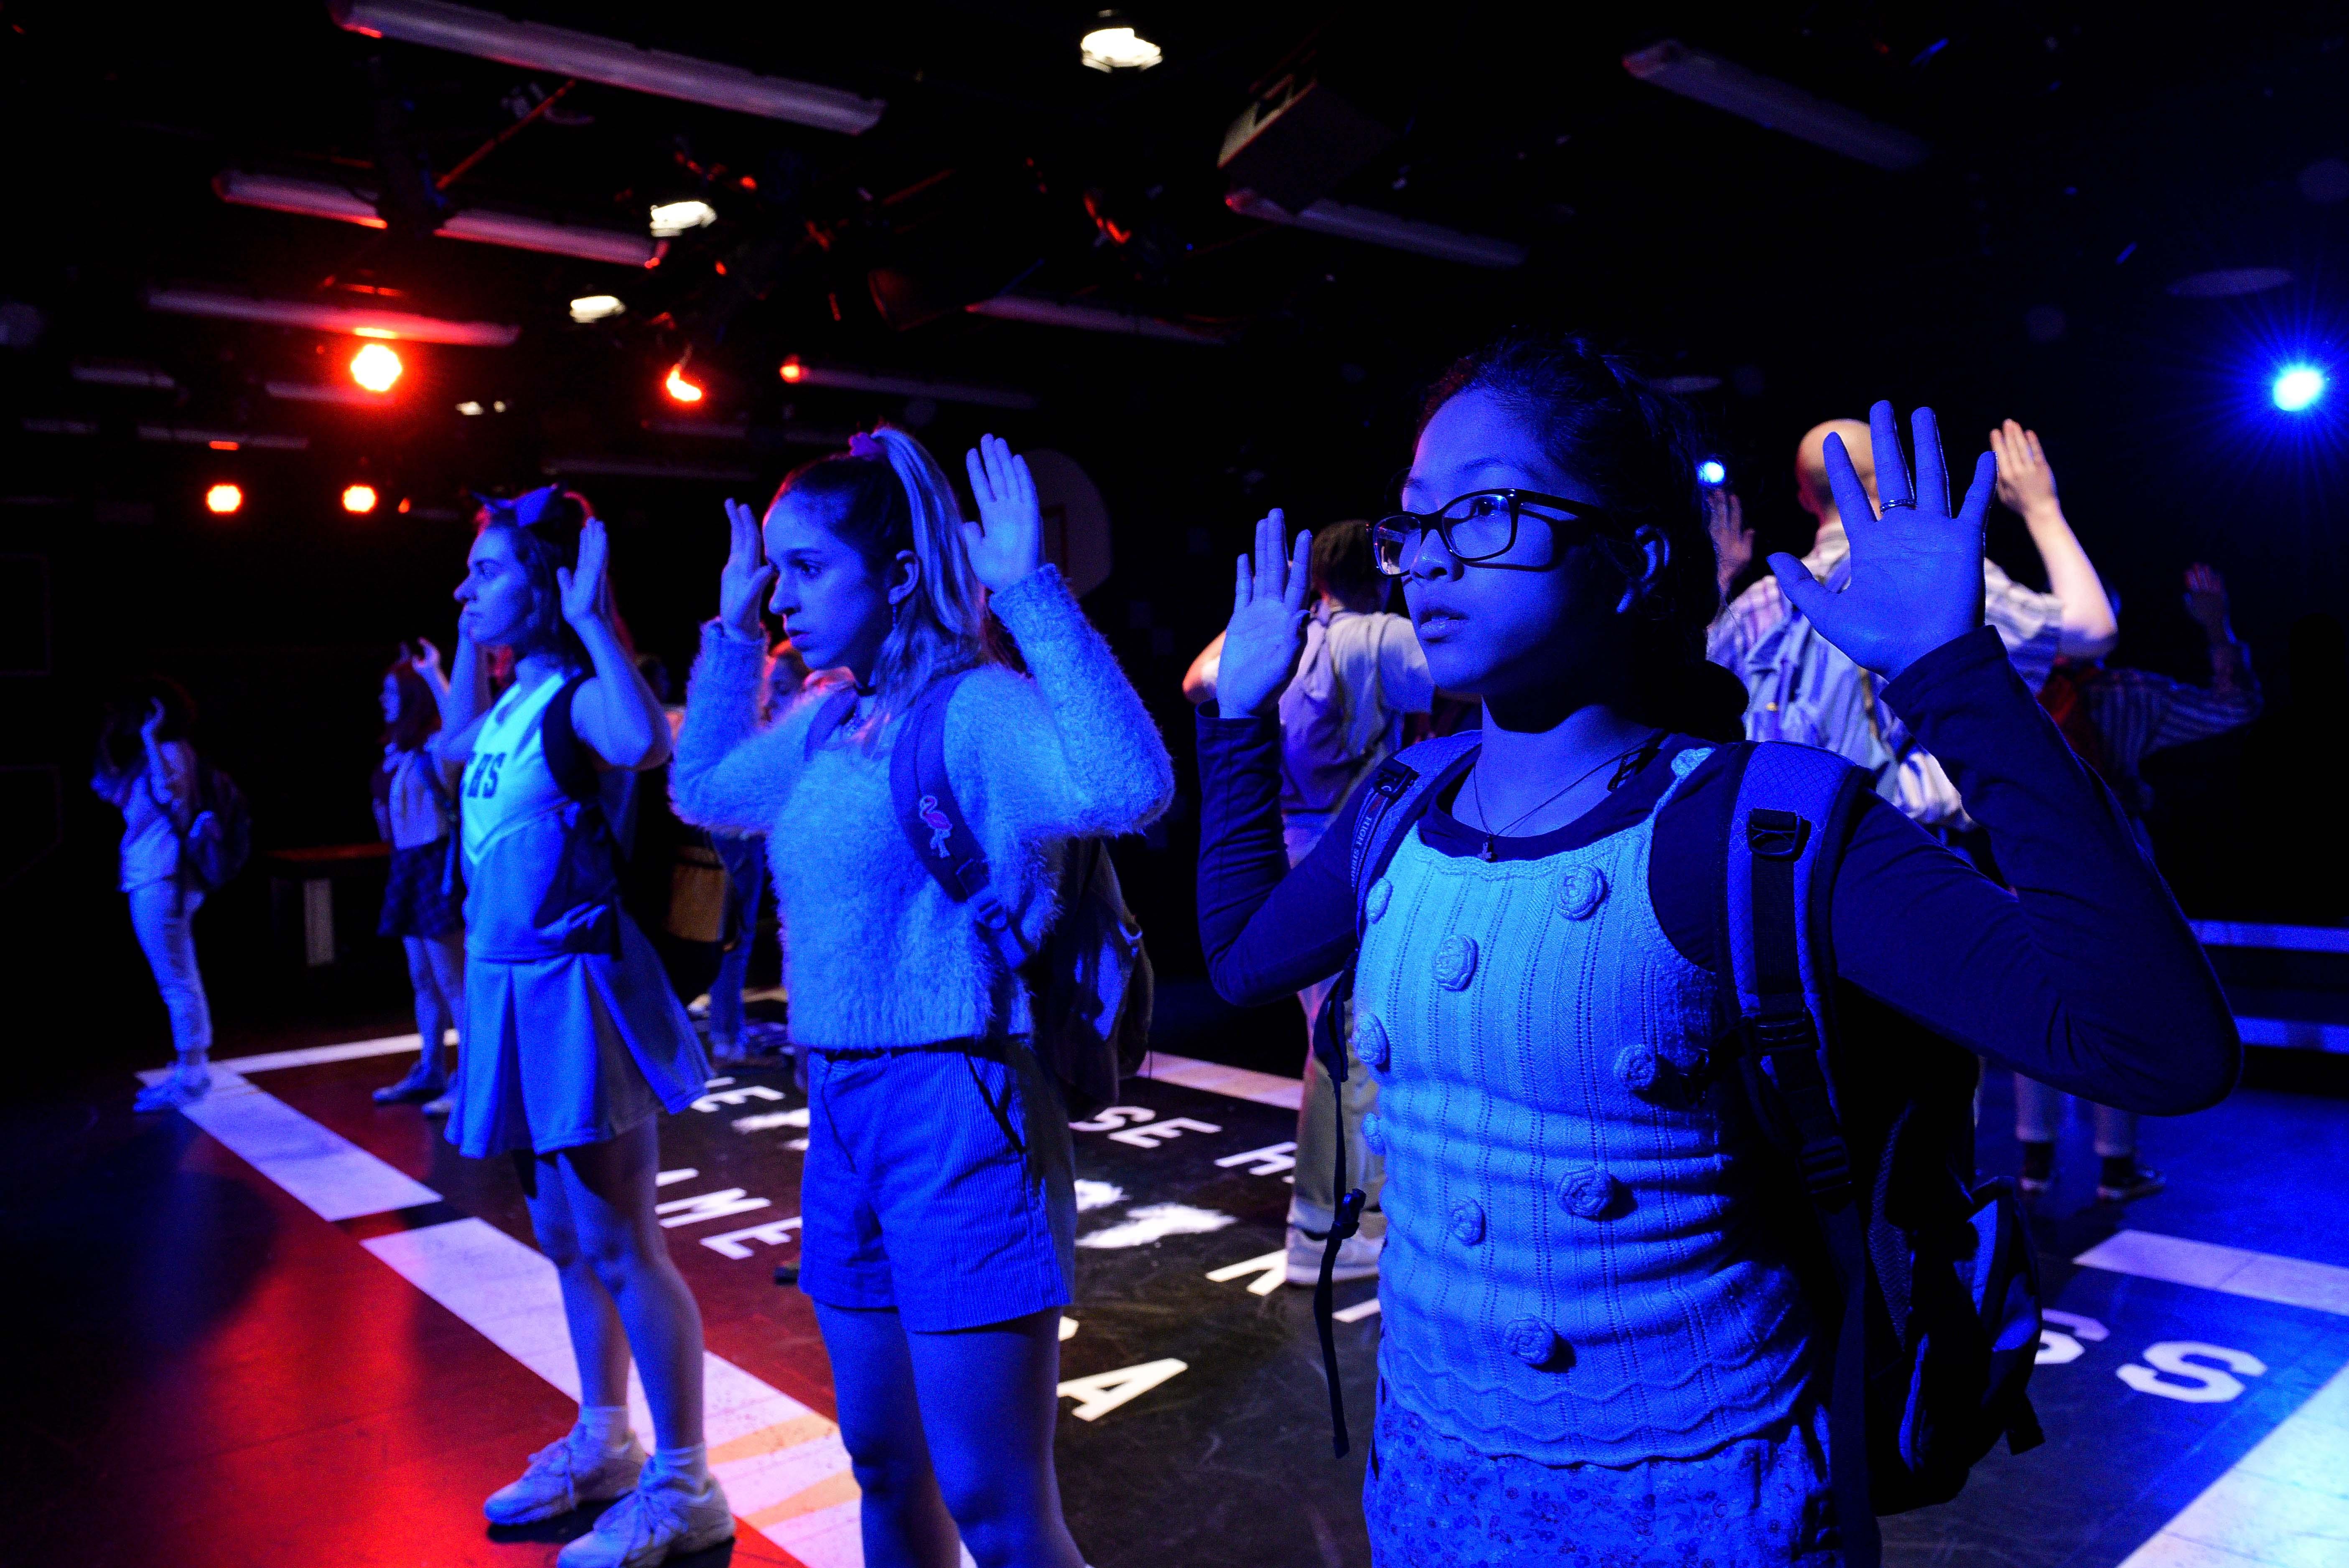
1932,1268
1090,984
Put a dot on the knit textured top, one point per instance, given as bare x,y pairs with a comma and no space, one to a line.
878,955
1572,1271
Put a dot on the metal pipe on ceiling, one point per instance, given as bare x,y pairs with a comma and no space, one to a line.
537,46
796,372
1781,106
1373,227
388,326
1087,317
346,204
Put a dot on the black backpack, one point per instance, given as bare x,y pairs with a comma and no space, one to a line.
219,839
1089,984
1934,1267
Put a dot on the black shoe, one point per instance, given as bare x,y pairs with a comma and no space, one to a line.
2038,1169
2124,1180
413,1090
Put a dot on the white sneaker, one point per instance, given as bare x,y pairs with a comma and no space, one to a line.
653,1523
1358,1257
181,1087
562,1476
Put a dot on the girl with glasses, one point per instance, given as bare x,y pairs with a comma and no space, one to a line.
1595,1340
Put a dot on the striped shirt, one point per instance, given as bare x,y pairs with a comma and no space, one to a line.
2029,623
2137,713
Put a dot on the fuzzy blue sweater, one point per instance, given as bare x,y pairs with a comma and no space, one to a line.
878,955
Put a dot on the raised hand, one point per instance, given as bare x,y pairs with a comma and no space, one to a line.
2206,598
1266,631
153,722
425,660
1007,543
1733,541
585,592
2025,482
743,584
1917,569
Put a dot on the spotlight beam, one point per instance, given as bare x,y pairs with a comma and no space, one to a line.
537,46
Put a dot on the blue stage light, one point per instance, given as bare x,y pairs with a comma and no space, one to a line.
2298,388
1712,472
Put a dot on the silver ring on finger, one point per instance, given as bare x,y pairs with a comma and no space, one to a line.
1895,504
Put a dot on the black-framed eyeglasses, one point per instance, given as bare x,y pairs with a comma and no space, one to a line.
1479,525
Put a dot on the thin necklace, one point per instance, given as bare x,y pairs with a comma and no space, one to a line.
1489,853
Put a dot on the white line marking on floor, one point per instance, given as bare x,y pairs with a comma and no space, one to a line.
1356,1314
2284,1504
312,1055
1233,1082
2293,1033
2235,1271
2287,939
332,1176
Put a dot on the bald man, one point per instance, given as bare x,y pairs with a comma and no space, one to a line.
1802,688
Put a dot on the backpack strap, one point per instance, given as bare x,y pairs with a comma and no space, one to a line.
830,714
1785,837
573,766
933,819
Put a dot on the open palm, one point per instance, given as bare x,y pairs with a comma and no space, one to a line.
583,586
1007,543
1267,632
1916,579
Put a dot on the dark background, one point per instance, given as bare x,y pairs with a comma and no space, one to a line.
2085,160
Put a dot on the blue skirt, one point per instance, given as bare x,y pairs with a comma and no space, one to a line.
571,1050
414,904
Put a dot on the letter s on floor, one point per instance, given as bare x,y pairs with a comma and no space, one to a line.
2200,1385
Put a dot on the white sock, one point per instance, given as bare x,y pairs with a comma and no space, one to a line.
605,1426
689,1467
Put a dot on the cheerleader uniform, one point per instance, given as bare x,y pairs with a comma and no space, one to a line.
573,1035
420,898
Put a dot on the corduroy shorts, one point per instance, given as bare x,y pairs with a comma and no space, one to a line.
939,1182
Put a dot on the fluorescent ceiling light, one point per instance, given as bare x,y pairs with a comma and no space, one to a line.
60,427
2228,281
671,219
797,373
1682,386
118,373
355,204
1089,317
223,440
470,409
1781,106
536,46
1118,48
326,393
1377,228
644,467
596,307
387,325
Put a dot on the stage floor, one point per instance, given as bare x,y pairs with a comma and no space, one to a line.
291,1327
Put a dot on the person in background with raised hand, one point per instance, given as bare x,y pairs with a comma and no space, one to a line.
146,769
422,894
939,1228
2115,718
575,1043
1593,1330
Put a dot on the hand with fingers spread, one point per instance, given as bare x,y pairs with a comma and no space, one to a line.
1007,543
2025,482
1916,577
586,590
743,584
1267,633
1733,541
2206,600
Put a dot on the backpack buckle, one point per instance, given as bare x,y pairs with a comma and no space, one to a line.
1775,835
1768,1034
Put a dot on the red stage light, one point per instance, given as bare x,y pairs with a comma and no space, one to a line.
794,370
222,499
358,498
376,367
683,390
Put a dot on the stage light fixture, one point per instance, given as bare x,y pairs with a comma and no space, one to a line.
678,387
560,51
1112,44
2298,389
358,498
383,325
376,367
1712,472
471,409
356,204
595,307
670,219
793,371
222,499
